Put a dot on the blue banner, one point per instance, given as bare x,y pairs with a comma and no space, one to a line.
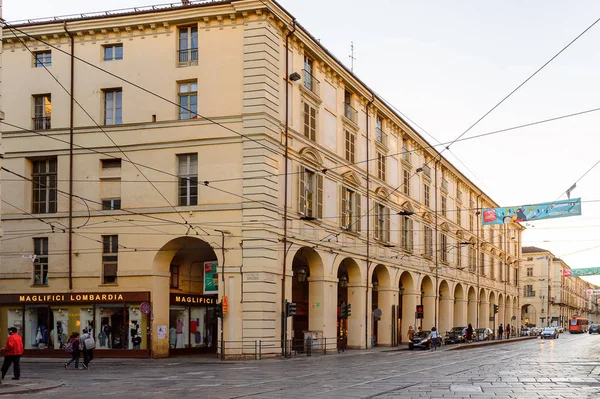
525,213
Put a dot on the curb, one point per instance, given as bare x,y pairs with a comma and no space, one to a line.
495,342
16,389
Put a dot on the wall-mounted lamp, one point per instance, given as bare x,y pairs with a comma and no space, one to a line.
301,275
375,284
343,281
405,213
295,76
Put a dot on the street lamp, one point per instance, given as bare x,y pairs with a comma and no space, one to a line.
343,281
301,275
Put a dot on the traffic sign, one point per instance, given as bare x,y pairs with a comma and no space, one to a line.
145,308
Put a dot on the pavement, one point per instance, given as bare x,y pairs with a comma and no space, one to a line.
565,368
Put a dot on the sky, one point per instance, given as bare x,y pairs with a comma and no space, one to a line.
446,64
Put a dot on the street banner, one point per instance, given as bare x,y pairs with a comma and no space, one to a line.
588,271
211,278
524,213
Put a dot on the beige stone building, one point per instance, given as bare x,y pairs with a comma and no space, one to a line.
549,297
215,151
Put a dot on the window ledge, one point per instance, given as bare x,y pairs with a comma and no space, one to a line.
108,285
310,94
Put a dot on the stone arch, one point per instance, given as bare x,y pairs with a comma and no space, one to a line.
349,291
407,304
460,306
383,296
445,307
472,306
428,295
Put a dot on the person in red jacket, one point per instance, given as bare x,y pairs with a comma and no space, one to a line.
12,353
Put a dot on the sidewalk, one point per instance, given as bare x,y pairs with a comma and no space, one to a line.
10,387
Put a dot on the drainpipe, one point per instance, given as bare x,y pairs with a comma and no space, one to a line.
368,228
71,106
285,188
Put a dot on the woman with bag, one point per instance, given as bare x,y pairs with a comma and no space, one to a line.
87,345
73,348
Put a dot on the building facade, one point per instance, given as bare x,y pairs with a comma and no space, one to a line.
549,297
217,153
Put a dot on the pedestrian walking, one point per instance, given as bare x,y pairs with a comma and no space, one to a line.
500,331
469,333
411,333
87,345
507,331
73,348
434,336
12,353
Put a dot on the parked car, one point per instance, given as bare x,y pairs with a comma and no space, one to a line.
420,340
484,334
549,332
594,328
455,336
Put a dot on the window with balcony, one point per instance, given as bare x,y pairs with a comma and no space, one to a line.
188,46
350,146
381,166
458,193
380,135
310,121
113,106
311,194
428,242
187,176
406,182
426,195
381,230
406,154
444,206
406,229
113,52
110,253
351,210
42,112
309,80
43,177
349,112
188,100
42,58
40,263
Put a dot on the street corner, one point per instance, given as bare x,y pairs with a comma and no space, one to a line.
10,387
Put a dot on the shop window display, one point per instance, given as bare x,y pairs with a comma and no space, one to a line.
120,327
192,327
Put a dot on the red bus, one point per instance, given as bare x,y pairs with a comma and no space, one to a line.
578,325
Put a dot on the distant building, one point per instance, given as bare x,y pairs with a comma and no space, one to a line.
550,298
227,156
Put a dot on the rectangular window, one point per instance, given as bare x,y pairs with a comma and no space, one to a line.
110,251
311,194
309,80
42,58
44,186
529,290
113,106
406,153
500,272
379,134
111,204
482,263
406,229
381,166
40,264
113,163
113,52
428,242
349,111
530,272
310,121
406,182
174,276
443,247
350,146
188,46
444,206
459,255
382,223
426,195
42,112
351,210
188,100
458,216
187,176
492,268
472,259
471,221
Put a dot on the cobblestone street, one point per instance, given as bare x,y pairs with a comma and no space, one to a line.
565,368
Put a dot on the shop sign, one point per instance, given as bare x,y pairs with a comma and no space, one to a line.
182,299
211,277
75,297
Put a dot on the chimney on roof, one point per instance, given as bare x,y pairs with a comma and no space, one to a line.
185,2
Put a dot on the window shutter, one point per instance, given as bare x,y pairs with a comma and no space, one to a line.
376,222
342,207
386,235
302,192
306,120
403,232
410,234
358,215
313,123
319,195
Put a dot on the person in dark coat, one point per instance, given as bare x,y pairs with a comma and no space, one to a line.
469,333
75,351
500,331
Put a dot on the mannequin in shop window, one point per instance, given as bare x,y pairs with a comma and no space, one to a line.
136,340
107,330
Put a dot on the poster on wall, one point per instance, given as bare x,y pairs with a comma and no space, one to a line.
524,213
211,277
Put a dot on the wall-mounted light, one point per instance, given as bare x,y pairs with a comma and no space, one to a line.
343,281
295,76
301,275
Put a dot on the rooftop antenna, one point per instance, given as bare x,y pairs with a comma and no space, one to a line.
352,58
